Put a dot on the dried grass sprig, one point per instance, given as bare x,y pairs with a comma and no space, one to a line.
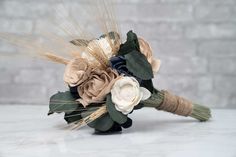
55,58
90,118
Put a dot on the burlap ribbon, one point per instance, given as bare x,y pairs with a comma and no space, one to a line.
176,104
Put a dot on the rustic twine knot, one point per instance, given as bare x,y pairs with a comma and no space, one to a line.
175,104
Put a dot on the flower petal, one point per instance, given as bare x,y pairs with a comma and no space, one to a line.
156,64
146,94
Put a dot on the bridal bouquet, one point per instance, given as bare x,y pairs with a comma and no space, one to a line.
111,81
107,79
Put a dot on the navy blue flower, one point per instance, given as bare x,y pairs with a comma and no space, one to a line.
119,64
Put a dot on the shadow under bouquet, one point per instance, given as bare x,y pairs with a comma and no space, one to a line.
110,81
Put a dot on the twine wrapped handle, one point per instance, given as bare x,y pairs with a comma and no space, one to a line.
175,104
166,101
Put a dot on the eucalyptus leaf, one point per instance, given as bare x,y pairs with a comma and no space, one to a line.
115,115
73,116
127,124
147,84
139,106
131,36
62,102
88,111
130,44
102,123
137,63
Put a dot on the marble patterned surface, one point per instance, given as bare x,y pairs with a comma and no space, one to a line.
26,131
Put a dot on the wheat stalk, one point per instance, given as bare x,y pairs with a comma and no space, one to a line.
90,118
56,58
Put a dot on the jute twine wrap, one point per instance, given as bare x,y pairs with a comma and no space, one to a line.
175,104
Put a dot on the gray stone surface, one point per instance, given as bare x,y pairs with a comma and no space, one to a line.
195,39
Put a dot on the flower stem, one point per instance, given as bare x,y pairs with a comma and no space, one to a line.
198,112
201,113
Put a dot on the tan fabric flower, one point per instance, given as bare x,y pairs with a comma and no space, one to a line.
147,51
97,86
76,72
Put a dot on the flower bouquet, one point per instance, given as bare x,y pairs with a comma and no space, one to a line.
107,79
113,79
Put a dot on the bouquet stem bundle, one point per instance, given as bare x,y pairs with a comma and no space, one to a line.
163,100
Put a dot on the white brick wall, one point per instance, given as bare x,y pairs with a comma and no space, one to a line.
196,40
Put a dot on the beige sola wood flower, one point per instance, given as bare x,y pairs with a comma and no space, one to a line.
97,86
76,72
93,83
147,52
91,72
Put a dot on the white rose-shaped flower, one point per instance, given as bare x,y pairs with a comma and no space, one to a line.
127,93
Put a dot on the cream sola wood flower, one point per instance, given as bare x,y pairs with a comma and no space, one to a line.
101,49
103,45
126,93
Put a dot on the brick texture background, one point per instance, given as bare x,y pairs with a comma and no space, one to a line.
195,39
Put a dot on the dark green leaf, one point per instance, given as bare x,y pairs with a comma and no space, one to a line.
130,44
115,115
80,113
127,124
116,128
73,116
137,63
102,123
148,85
131,36
126,48
62,102
139,106
89,111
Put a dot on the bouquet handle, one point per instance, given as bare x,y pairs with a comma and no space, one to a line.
166,101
